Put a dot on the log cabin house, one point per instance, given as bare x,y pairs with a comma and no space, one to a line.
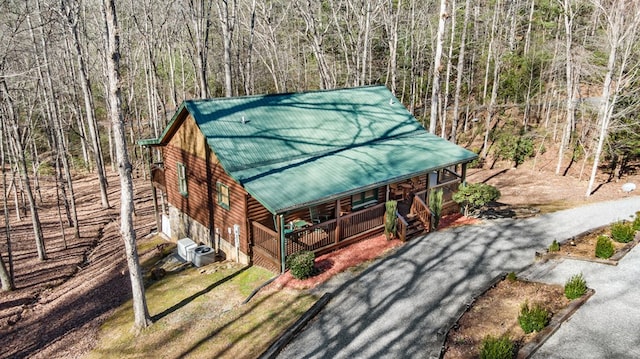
262,177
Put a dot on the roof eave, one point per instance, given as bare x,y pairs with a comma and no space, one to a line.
361,189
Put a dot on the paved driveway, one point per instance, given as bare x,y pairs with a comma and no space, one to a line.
399,307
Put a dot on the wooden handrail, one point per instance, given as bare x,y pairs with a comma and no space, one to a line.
401,228
422,211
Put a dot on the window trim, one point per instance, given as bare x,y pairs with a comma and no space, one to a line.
182,179
360,200
219,189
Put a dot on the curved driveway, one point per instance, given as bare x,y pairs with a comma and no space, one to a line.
400,306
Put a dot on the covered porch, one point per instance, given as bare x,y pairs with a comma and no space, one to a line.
333,224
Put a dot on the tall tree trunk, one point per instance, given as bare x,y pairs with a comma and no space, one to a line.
227,18
445,100
249,82
16,140
6,276
570,87
391,18
5,279
437,67
459,72
57,127
140,310
309,12
200,18
622,24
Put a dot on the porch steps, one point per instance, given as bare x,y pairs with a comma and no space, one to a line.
415,226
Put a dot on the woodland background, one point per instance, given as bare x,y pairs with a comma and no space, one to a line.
508,79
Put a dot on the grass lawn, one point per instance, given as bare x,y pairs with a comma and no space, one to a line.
198,312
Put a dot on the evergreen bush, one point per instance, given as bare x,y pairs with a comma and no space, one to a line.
301,264
501,347
390,219
554,246
475,195
622,232
575,287
533,319
604,247
511,276
435,206
636,222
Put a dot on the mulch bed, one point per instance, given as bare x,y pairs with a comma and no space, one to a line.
357,254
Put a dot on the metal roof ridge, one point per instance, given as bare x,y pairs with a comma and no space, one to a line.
282,94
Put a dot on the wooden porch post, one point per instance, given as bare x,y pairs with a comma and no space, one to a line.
337,232
283,242
428,186
464,174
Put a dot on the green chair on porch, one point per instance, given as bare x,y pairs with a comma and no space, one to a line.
315,216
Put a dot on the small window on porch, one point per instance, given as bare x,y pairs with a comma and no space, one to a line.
364,199
182,179
223,195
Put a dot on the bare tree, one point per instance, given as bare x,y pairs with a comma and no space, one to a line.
198,22
459,72
622,20
311,12
568,16
16,140
391,18
6,276
227,14
140,310
70,11
437,67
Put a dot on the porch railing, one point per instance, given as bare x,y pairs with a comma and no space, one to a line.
401,227
420,209
266,239
359,222
311,238
333,232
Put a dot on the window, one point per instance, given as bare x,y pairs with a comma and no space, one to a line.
364,198
223,195
182,179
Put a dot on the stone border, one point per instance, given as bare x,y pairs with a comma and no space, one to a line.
556,321
617,256
540,338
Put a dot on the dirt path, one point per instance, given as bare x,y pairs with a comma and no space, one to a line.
60,303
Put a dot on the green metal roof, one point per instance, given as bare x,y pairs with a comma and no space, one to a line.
293,150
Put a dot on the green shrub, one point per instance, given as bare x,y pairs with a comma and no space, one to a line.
511,276
604,247
497,348
554,246
532,319
475,195
390,219
435,206
301,264
622,232
636,222
575,287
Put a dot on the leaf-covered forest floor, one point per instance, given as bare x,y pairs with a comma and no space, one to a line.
60,303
